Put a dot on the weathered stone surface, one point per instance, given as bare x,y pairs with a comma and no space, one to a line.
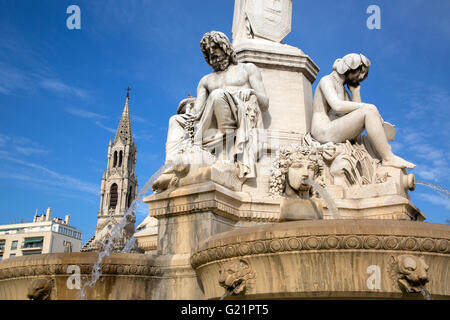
323,259
125,276
267,19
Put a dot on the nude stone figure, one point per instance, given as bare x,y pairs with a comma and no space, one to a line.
337,117
229,100
226,110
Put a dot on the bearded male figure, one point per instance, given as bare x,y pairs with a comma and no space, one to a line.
227,109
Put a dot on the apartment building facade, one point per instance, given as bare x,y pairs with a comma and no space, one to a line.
43,235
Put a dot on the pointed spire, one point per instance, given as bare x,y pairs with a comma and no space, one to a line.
124,129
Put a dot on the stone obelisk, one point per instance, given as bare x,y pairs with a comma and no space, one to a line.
259,28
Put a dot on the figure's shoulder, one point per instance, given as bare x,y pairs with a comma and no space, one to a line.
204,80
325,80
249,67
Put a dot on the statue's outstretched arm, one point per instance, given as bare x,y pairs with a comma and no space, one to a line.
255,79
337,104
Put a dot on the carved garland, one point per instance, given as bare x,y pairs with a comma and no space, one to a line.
61,269
329,242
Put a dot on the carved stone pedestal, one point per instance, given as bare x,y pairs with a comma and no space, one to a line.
288,75
356,259
190,214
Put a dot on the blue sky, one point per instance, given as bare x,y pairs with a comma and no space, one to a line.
62,91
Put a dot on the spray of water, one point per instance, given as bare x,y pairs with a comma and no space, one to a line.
426,294
117,232
440,190
326,197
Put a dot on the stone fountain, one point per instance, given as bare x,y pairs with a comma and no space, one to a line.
269,191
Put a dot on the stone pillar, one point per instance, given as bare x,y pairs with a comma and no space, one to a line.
189,215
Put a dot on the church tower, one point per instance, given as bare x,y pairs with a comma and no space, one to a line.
119,184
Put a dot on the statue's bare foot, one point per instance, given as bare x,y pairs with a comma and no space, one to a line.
398,162
163,181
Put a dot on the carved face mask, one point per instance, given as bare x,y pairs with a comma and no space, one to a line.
299,173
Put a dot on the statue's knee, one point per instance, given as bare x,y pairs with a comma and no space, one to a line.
173,119
217,94
370,109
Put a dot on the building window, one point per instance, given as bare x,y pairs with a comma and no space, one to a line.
30,243
29,253
12,255
130,196
115,159
14,245
120,158
1,257
114,196
2,245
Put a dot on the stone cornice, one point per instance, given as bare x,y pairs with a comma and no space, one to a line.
57,264
306,236
272,55
210,196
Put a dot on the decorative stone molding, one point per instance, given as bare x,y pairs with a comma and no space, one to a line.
61,269
296,243
236,276
58,263
210,196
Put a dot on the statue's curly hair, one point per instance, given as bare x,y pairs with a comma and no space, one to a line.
287,156
222,40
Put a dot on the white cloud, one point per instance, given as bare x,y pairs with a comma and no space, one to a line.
60,87
50,177
436,200
99,124
22,145
85,114
29,150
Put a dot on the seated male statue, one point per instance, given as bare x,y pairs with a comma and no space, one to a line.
227,108
337,118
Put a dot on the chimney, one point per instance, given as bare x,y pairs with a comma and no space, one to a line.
67,219
48,216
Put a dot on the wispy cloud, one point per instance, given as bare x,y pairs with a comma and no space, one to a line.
85,114
434,199
29,150
101,125
50,177
59,87
16,81
135,118
21,145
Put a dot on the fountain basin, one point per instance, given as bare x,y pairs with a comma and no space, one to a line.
124,275
324,259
